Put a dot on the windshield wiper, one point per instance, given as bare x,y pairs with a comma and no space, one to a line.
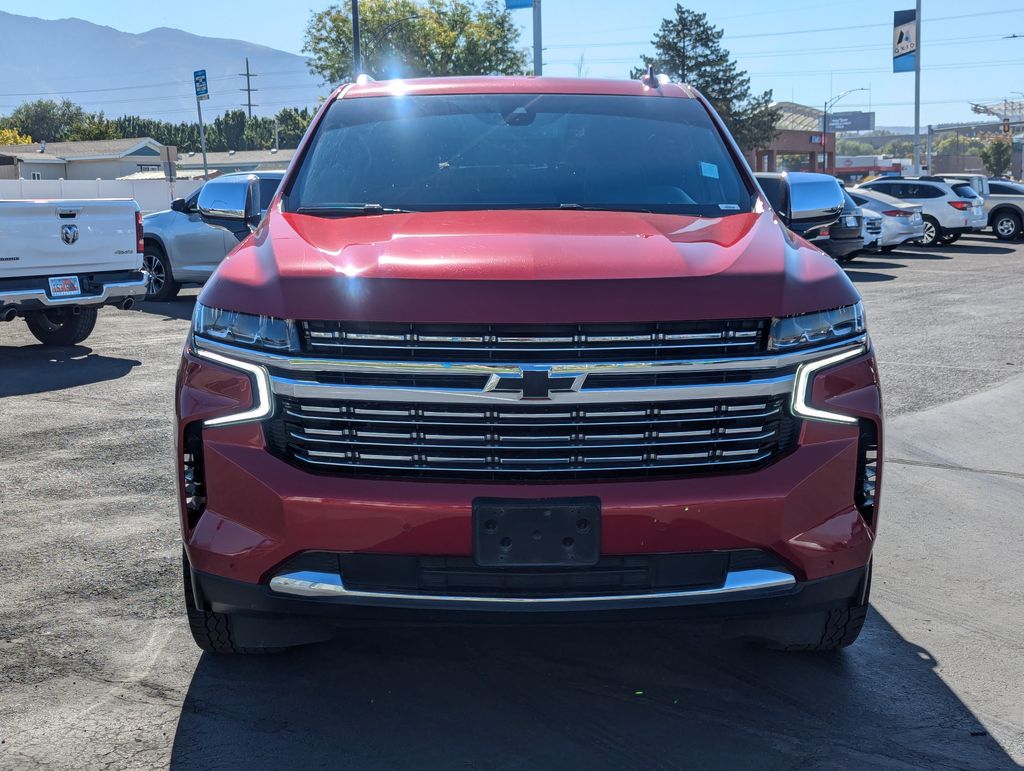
349,210
582,207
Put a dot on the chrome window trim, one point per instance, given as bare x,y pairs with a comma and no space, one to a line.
292,363
318,584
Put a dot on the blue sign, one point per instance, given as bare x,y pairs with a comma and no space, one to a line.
202,90
511,5
904,41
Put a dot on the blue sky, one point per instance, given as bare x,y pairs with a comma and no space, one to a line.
839,46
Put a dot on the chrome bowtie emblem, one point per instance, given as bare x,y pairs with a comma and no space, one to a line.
69,234
535,383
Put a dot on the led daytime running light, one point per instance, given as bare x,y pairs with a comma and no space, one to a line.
262,406
801,399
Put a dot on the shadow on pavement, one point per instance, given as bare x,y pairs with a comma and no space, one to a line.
180,308
34,369
858,276
867,262
592,697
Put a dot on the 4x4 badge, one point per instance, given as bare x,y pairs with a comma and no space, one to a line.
69,234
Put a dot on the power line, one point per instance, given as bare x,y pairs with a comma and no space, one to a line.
248,75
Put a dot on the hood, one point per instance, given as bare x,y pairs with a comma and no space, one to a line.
526,267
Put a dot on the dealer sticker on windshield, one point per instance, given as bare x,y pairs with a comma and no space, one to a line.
65,286
709,169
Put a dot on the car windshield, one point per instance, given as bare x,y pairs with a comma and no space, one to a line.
509,151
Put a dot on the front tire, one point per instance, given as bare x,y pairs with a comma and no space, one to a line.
162,286
212,632
1007,226
61,326
932,232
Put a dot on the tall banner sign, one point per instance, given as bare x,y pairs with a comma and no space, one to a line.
904,41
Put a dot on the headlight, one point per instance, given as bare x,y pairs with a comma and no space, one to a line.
246,329
817,328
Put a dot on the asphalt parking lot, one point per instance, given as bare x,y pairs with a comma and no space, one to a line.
97,667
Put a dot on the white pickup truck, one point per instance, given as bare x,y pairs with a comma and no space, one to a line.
61,260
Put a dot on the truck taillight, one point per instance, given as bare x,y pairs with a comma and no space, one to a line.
897,213
140,247
961,205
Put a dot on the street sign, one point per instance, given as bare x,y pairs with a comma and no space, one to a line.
511,5
851,121
202,90
904,41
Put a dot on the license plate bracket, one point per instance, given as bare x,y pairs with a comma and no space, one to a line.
64,286
536,532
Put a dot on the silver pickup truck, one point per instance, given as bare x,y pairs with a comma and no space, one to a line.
61,260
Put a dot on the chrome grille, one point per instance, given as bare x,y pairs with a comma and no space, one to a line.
873,226
516,440
535,343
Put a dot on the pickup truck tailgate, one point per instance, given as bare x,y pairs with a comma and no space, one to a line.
49,238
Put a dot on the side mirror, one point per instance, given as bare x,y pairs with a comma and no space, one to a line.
179,205
231,198
776,189
815,200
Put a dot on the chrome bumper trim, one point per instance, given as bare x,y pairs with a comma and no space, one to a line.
293,363
118,290
316,584
307,389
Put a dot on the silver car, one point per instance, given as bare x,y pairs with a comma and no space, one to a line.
1004,205
950,209
901,222
186,243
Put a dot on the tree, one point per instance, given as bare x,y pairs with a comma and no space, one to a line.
291,125
9,136
955,144
94,125
46,120
853,147
689,50
898,148
415,38
996,156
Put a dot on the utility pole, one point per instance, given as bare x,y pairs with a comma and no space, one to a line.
917,91
248,75
538,55
357,63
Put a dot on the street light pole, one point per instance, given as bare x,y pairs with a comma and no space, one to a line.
538,55
357,63
917,91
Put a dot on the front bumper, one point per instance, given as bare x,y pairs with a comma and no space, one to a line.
261,511
103,289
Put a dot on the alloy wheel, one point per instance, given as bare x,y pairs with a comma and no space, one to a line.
1006,227
157,275
929,234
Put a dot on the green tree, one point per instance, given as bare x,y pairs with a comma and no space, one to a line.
853,147
94,125
689,50
291,125
898,148
996,156
47,120
415,38
227,132
953,144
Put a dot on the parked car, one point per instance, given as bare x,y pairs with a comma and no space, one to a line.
61,260
489,358
1004,206
872,230
950,209
901,222
185,244
780,187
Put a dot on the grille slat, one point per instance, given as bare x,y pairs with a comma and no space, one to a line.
500,442
527,344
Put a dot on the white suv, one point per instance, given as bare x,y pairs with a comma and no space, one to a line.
951,208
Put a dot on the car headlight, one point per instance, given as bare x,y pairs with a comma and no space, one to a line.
245,329
810,329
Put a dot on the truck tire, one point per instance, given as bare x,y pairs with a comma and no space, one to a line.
162,286
836,629
1007,226
211,631
932,232
61,326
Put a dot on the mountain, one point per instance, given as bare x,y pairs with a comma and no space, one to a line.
147,74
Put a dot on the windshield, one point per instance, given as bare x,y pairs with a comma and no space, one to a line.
500,151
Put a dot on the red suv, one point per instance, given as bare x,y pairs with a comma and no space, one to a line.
526,349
